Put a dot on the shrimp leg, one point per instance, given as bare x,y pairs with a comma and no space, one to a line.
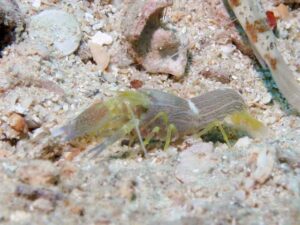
220,127
123,131
170,130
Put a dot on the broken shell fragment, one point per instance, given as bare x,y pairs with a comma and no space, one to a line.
139,13
264,165
98,49
100,55
157,49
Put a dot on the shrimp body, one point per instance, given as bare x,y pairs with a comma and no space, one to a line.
104,118
154,113
201,113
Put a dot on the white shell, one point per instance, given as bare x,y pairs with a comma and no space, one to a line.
56,28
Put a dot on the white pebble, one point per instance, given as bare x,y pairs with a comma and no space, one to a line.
243,142
101,38
266,98
36,4
98,26
20,217
227,50
89,17
264,165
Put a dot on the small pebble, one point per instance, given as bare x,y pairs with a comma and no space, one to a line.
38,172
136,84
243,142
266,99
98,26
43,205
20,217
216,75
17,122
227,50
127,190
36,4
78,210
282,11
264,165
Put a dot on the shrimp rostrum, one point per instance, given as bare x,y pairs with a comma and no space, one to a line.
149,114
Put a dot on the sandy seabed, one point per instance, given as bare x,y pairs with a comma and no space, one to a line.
256,181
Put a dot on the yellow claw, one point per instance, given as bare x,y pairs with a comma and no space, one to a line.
245,121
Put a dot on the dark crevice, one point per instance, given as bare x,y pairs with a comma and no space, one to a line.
11,141
293,5
11,23
7,37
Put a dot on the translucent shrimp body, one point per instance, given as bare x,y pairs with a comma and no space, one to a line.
156,114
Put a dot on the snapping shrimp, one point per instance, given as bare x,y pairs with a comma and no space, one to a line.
156,114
